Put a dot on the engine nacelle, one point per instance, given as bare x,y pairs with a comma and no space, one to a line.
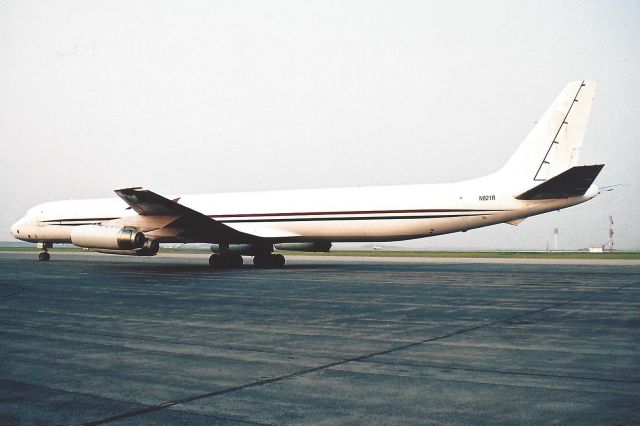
150,248
318,246
244,249
107,237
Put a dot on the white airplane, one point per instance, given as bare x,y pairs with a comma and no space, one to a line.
540,177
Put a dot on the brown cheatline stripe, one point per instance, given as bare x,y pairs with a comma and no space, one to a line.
327,213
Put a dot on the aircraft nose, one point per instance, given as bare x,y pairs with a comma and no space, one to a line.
15,229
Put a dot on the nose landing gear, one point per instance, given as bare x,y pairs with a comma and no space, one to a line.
44,255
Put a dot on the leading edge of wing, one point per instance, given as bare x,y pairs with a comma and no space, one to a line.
195,225
148,203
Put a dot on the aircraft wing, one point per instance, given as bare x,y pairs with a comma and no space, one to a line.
193,224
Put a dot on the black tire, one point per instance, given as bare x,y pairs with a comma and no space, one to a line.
277,260
224,261
261,260
269,261
236,260
44,256
214,261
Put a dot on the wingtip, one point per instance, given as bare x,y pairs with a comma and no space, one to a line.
128,189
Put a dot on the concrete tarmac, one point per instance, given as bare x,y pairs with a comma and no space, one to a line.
94,339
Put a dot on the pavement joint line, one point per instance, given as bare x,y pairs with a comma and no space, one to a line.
41,325
517,373
169,342
173,403
208,415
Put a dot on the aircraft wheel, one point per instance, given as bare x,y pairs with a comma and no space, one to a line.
218,261
260,261
44,256
277,260
235,260
269,261
215,261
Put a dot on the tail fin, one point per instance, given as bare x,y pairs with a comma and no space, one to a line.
553,146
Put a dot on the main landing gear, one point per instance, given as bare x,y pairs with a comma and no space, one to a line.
226,257
225,261
269,260
228,261
44,255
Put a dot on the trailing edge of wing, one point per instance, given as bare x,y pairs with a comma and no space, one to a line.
570,183
196,225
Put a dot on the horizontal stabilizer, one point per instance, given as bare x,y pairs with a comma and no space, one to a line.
571,183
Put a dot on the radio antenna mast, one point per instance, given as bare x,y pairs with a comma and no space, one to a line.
610,233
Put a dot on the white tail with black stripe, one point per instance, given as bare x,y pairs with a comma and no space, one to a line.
554,144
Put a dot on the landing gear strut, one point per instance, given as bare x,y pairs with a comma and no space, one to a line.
44,255
269,260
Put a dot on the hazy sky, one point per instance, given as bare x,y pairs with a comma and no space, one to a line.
190,97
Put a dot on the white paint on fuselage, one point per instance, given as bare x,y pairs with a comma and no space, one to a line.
390,212
384,213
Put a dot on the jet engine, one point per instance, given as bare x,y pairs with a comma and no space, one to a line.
107,237
318,246
150,248
257,249
243,249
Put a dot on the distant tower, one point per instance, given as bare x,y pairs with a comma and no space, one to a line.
555,239
610,233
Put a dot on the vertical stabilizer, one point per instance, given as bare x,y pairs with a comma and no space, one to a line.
553,146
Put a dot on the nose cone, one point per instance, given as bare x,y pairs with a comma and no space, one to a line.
14,229
18,230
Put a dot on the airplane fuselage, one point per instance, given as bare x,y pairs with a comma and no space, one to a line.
384,213
541,176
